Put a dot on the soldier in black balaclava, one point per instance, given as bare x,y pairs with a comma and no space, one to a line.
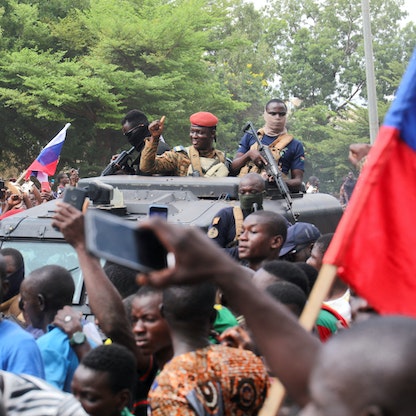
135,127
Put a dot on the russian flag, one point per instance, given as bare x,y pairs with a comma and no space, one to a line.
375,242
48,158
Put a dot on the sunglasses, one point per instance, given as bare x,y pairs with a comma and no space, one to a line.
133,130
281,113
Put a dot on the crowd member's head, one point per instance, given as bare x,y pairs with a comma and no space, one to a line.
251,191
62,179
299,242
104,380
313,181
44,291
203,130
319,249
264,233
310,271
275,117
278,270
73,177
189,310
135,127
149,326
376,375
15,271
289,294
3,275
123,278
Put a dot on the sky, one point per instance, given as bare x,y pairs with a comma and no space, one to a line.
410,6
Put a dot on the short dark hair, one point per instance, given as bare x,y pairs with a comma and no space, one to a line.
135,117
123,278
310,271
288,294
116,360
146,290
60,176
2,269
277,101
277,222
16,255
288,271
313,180
55,283
189,303
323,242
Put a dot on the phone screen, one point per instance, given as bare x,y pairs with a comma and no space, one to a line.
159,210
122,242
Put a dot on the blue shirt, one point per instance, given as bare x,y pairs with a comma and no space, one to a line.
19,353
59,359
291,157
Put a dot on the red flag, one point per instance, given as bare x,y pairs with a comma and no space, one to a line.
375,243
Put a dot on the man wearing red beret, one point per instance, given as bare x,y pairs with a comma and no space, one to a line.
199,159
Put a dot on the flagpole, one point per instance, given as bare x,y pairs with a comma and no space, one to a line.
39,166
21,177
307,319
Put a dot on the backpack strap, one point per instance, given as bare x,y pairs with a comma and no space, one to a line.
195,161
239,219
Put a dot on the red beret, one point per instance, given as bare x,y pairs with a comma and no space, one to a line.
203,119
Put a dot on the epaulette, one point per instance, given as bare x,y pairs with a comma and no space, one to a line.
179,149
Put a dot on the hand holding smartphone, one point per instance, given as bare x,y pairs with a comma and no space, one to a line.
123,242
75,197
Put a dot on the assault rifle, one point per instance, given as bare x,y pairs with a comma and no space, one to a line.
117,163
272,169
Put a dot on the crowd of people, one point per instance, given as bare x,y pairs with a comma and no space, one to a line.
210,333
18,195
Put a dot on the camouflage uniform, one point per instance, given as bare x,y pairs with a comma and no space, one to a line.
175,162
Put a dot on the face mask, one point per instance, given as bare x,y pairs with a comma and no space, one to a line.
137,135
247,201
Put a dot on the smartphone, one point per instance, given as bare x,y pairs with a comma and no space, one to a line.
27,186
159,210
123,242
75,196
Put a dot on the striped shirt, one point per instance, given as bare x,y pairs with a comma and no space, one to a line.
26,395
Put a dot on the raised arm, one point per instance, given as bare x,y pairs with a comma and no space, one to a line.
148,163
290,351
104,299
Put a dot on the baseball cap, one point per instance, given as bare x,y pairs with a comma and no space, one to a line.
298,234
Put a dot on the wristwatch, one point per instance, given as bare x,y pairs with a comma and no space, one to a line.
77,339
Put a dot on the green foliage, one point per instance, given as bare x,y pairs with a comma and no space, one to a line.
89,61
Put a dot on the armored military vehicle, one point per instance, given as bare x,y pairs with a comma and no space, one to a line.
192,201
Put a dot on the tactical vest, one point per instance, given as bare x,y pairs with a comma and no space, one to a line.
208,167
275,147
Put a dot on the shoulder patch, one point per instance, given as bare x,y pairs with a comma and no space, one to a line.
216,220
212,232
